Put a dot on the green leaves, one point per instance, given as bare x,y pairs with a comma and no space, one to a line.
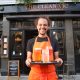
71,0
75,0
61,0
25,1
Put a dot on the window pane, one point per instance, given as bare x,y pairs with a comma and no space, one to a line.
77,50
77,42
76,23
59,36
22,24
56,24
76,35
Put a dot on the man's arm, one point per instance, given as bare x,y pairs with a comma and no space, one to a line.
56,54
57,58
29,51
28,60
55,46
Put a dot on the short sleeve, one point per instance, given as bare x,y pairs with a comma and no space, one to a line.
30,44
55,44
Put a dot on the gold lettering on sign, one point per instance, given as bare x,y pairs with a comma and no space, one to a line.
42,7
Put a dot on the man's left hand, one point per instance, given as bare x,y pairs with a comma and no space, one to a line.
59,60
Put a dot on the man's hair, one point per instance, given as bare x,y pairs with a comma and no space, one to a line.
44,17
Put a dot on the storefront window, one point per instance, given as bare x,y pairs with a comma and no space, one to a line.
76,24
30,24
76,34
77,42
57,31
22,24
59,36
77,50
57,24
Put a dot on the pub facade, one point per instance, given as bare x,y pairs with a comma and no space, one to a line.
17,27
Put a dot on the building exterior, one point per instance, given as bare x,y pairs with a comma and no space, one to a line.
17,27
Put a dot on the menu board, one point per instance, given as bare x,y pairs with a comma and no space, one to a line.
13,68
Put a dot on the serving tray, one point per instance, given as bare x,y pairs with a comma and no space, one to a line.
52,62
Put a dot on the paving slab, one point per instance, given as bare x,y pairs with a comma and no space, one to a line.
76,77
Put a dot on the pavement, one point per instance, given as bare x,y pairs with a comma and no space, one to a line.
72,77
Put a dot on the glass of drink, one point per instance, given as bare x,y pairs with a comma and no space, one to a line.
45,56
37,54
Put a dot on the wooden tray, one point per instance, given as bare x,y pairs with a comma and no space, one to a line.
53,62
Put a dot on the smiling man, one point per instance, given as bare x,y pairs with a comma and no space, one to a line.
35,48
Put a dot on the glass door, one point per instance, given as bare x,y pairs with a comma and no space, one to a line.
16,47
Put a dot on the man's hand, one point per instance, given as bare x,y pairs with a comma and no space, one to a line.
28,61
59,60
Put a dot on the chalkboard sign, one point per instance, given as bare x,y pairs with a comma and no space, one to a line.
13,68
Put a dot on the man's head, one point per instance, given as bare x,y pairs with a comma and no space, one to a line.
42,24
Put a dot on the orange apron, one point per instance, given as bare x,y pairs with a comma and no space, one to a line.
42,72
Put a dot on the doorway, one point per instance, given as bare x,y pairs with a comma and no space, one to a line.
19,39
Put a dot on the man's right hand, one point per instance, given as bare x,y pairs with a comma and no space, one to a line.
28,61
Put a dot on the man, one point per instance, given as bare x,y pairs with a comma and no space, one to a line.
42,42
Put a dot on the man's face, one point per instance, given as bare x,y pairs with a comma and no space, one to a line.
42,26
